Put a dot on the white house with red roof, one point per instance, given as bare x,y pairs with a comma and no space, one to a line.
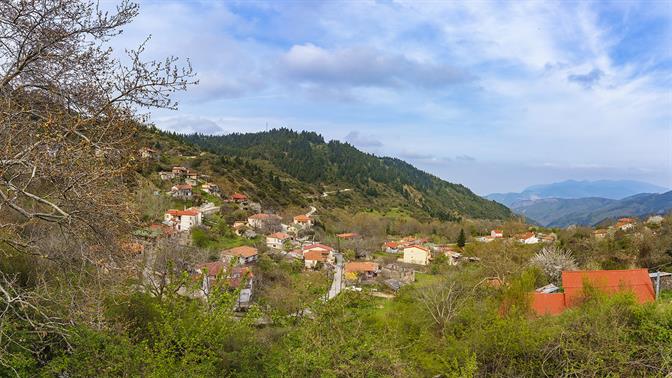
417,254
497,233
528,238
316,253
182,220
277,240
303,220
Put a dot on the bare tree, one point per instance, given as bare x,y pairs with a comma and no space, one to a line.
68,114
69,111
443,300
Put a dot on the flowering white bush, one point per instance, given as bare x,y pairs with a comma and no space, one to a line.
553,260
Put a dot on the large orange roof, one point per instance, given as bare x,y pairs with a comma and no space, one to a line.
348,235
179,213
318,246
636,281
301,218
316,255
279,235
609,281
361,266
243,251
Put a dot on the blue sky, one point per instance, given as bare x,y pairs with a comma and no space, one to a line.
494,95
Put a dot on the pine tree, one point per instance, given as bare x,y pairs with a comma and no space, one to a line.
461,239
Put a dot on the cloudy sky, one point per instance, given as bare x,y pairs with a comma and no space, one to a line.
494,95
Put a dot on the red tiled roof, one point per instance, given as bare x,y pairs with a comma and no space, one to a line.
318,246
361,266
279,235
419,247
301,218
636,281
526,235
214,268
316,255
183,187
243,251
238,196
609,281
392,245
179,213
626,220
348,235
237,275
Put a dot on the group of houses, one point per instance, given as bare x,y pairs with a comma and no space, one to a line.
622,224
231,271
189,180
529,237
420,251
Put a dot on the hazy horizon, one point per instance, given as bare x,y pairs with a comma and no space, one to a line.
495,96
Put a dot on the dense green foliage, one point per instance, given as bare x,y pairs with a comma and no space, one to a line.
306,157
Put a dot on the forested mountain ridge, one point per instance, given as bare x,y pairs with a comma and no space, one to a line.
380,183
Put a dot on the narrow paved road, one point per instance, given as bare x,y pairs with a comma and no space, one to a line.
313,209
337,283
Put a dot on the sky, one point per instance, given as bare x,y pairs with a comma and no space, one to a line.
493,95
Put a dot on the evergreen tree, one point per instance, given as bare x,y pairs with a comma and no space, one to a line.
461,239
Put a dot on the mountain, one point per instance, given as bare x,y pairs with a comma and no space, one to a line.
560,212
306,160
610,189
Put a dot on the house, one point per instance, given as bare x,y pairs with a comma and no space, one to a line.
277,240
527,238
348,236
600,234
182,220
181,191
391,247
166,176
361,269
244,254
242,278
625,224
303,221
192,174
635,281
210,271
179,171
208,208
238,197
497,234
416,254
147,153
316,253
312,259
263,220
210,188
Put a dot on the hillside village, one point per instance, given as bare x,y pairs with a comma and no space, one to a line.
348,260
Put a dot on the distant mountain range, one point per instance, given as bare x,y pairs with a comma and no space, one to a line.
562,212
572,189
